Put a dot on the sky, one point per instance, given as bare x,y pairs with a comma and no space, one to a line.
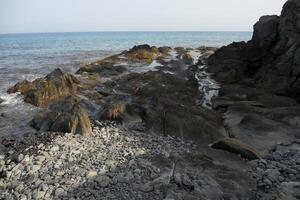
27,16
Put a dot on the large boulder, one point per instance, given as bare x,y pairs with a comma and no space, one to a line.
45,90
66,116
270,58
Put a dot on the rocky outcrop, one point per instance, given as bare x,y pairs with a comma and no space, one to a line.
167,103
187,58
120,109
45,90
142,53
105,68
66,116
270,60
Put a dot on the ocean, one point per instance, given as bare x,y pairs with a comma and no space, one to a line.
30,56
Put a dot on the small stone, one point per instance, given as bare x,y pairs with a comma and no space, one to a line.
40,146
54,148
34,169
187,181
103,180
44,187
37,194
23,197
20,157
147,187
91,174
59,191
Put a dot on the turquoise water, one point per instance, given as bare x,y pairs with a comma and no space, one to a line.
29,56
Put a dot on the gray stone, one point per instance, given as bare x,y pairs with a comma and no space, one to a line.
103,180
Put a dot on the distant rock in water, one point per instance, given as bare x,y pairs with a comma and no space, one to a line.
143,52
271,59
42,91
66,116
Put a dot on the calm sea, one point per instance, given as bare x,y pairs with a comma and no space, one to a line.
29,56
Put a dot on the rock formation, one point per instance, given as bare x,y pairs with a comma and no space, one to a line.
66,116
43,91
142,52
270,60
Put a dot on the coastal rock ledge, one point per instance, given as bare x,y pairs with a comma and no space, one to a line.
271,60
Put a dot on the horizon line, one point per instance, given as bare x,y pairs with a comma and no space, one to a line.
120,31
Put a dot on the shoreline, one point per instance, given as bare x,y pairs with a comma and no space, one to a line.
43,165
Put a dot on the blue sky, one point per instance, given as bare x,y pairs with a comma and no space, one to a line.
23,16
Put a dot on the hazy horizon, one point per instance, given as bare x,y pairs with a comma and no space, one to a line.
54,16
133,31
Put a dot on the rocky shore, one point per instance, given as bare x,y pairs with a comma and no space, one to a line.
166,123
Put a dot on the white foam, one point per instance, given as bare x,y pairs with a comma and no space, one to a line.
145,68
208,86
169,72
121,64
195,55
11,99
30,77
154,64
172,56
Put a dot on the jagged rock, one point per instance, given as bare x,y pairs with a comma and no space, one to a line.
142,53
187,58
271,58
180,50
120,109
66,116
103,68
1,100
206,52
164,50
43,91
237,147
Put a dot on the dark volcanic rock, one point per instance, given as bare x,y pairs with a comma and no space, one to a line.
66,116
271,58
103,69
42,91
168,105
